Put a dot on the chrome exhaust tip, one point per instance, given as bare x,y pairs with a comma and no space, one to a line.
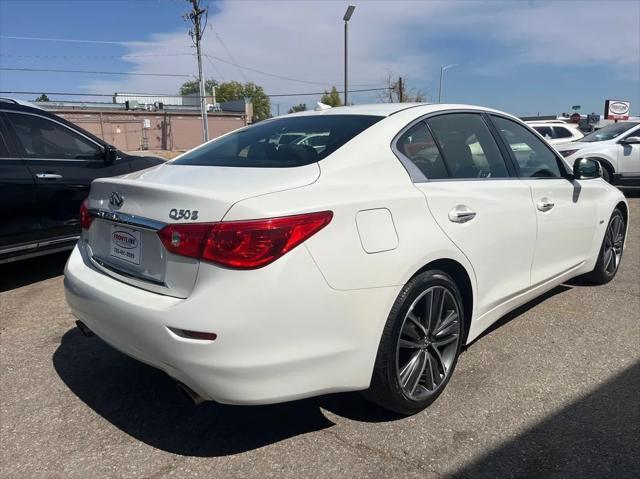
188,393
84,329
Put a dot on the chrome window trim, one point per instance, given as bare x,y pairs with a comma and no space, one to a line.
21,247
101,147
127,219
416,175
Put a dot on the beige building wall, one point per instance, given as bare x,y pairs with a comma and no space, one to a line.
166,131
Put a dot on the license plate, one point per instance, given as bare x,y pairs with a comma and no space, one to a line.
125,244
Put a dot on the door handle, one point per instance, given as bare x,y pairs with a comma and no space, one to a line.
48,176
544,204
461,214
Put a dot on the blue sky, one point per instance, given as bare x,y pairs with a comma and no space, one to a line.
523,57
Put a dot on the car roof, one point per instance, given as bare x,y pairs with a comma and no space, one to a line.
388,109
9,104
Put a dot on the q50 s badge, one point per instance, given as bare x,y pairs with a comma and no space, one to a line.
176,214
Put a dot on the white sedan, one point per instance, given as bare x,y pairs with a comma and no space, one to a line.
255,273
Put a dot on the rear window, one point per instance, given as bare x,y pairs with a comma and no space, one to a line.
280,143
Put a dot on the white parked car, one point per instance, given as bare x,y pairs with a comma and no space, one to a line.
557,133
254,273
616,147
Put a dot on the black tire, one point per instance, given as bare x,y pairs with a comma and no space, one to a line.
386,389
614,236
606,174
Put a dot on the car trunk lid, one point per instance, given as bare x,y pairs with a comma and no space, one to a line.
129,210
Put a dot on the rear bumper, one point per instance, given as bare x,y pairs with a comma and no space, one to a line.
283,333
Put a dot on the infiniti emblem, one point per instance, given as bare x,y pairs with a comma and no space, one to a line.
116,199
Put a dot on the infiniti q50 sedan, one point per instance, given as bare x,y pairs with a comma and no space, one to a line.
255,272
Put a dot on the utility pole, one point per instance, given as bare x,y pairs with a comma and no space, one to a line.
400,90
195,17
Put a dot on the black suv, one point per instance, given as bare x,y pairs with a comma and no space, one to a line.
46,167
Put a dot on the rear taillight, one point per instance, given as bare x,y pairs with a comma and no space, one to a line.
85,218
243,244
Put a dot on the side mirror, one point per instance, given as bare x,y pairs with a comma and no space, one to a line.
110,155
630,140
586,169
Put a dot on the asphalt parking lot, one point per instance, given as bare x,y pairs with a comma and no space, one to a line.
552,391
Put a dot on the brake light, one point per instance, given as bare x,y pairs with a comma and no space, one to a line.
85,218
243,244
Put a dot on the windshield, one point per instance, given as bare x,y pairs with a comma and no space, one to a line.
609,132
271,143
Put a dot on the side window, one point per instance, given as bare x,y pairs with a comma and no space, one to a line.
468,146
545,131
417,144
561,132
535,159
42,138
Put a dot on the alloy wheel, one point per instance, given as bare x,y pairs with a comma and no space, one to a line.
428,342
613,244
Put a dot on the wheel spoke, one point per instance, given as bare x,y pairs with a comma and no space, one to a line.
431,374
608,257
408,369
440,366
417,373
416,322
409,344
428,308
446,340
449,321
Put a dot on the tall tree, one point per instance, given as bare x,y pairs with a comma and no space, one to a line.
43,97
233,90
332,98
298,107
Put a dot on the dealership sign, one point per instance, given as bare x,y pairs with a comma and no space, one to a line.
616,109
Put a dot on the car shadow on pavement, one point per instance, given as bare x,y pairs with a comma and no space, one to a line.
144,403
21,273
596,436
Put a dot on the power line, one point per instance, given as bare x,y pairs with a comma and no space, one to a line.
68,40
281,77
233,61
97,56
47,70
172,94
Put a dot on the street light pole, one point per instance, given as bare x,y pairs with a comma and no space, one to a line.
442,69
346,18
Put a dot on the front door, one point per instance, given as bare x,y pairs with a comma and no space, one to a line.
629,156
63,163
565,209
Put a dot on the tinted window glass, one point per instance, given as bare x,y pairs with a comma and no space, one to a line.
273,143
42,138
533,156
609,132
545,131
562,132
468,147
417,144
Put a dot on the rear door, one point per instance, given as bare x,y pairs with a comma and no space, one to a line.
476,200
63,163
565,209
19,216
